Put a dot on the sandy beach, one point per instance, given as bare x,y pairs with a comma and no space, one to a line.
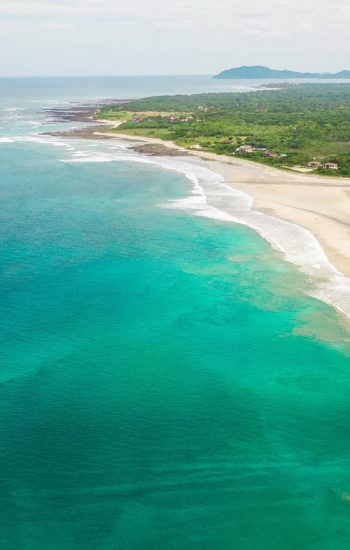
321,205
318,204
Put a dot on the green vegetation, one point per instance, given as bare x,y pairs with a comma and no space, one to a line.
296,123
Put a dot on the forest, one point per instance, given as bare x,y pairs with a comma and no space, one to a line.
285,127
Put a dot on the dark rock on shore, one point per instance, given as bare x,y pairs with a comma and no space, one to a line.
82,133
82,112
155,149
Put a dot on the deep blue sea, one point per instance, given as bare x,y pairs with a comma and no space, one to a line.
166,380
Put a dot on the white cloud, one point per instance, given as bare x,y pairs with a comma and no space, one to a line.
179,35
306,28
196,9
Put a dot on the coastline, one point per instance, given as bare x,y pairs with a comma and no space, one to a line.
319,204
304,217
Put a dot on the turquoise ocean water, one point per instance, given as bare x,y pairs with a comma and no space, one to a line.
166,382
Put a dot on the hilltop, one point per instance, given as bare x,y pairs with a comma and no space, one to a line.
259,71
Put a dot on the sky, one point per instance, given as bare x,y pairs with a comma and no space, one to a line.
114,37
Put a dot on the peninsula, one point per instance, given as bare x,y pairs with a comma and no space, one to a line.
259,71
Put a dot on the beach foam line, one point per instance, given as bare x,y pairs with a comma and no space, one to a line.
214,199
84,159
88,157
14,109
44,140
32,122
5,140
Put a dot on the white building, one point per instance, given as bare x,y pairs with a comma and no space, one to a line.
330,166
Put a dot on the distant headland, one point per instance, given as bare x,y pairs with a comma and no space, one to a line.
259,71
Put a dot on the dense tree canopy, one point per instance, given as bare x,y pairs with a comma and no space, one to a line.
302,122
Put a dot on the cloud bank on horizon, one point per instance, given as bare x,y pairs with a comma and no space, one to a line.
171,37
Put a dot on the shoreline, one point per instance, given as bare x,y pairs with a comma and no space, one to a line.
305,217
319,204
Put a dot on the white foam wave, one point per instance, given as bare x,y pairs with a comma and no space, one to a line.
32,122
86,159
79,154
13,109
5,140
216,214
212,198
46,140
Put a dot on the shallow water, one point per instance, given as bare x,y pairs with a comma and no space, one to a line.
166,382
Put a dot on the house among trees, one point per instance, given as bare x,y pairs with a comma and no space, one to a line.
313,164
330,166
